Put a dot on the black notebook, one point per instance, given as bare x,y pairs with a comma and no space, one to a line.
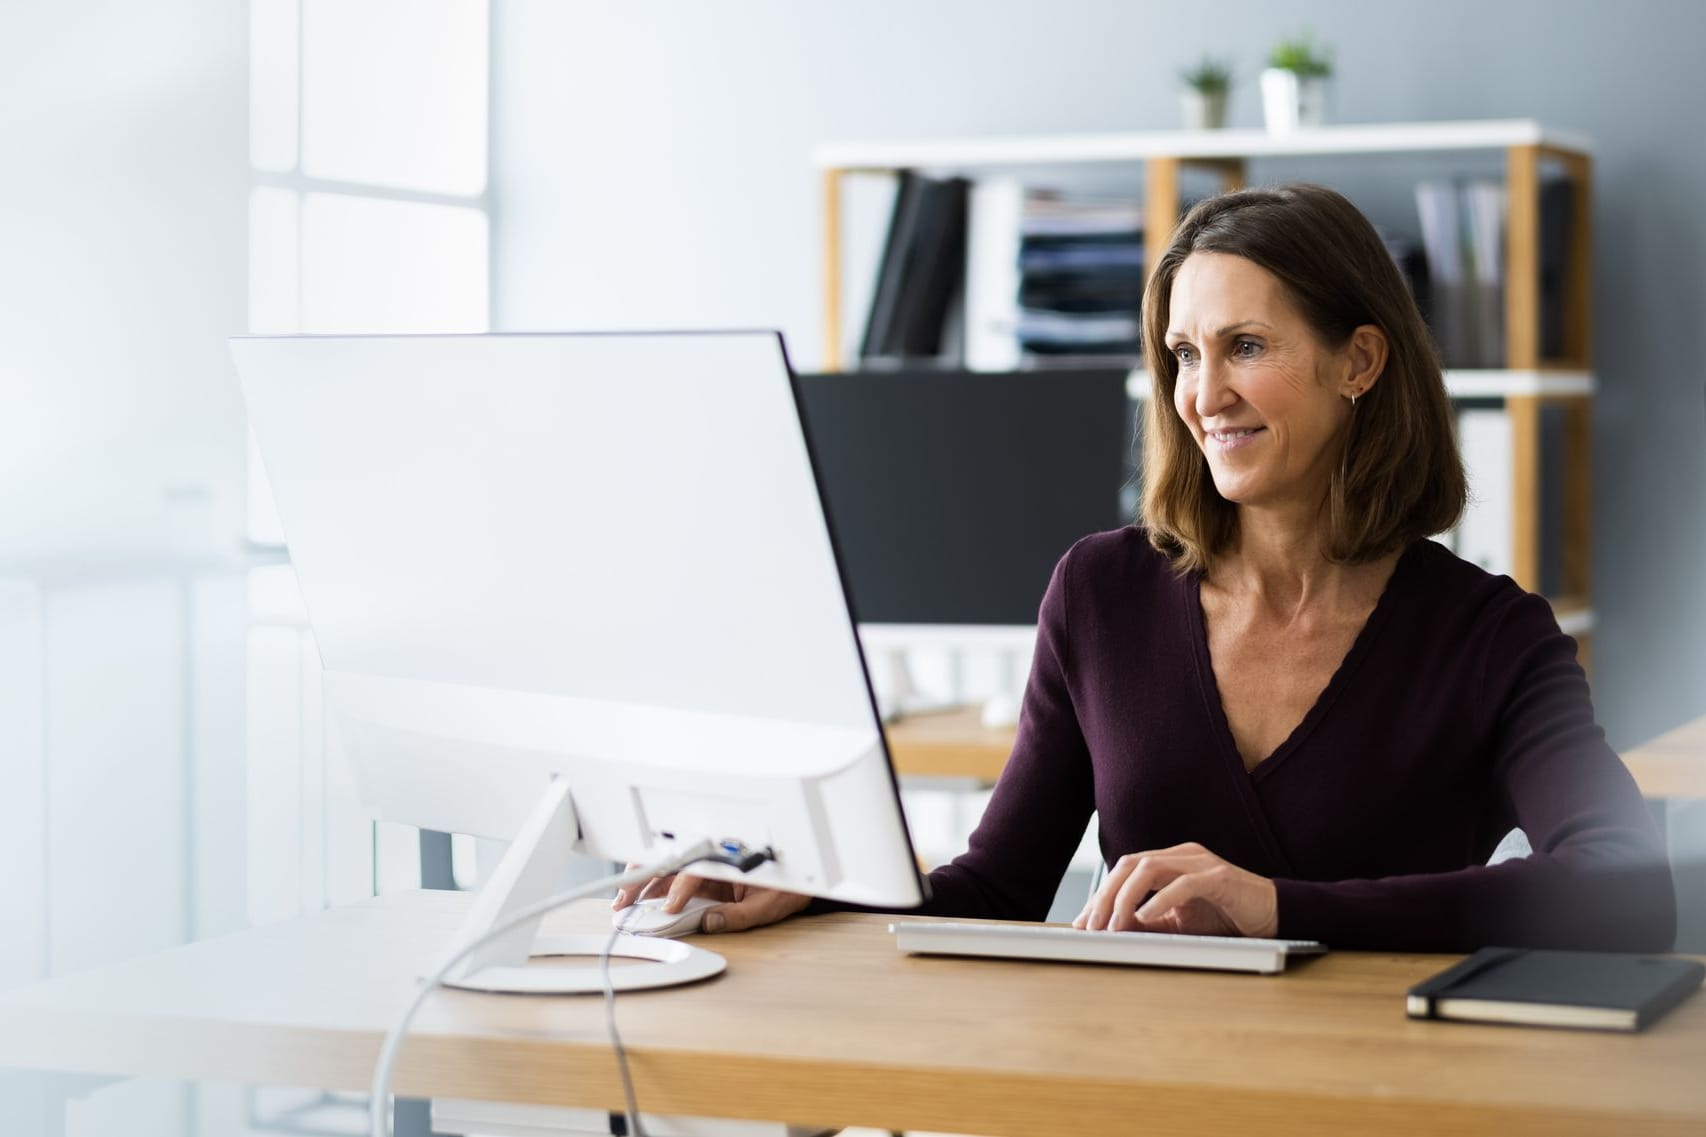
1594,990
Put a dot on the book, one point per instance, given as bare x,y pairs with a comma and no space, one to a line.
1580,989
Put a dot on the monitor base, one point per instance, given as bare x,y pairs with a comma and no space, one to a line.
674,963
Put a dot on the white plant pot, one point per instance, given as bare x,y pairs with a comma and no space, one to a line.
1290,100
1202,111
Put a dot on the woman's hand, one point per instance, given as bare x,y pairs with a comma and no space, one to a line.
743,905
1195,892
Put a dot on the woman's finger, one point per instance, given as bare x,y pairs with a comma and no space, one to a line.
760,906
628,893
683,887
1221,900
1153,871
1165,910
657,886
1101,906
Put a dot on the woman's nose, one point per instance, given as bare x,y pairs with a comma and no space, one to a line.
1213,395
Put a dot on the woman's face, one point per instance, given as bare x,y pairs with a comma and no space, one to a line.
1264,398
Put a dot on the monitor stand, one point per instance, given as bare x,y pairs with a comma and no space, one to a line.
674,963
525,876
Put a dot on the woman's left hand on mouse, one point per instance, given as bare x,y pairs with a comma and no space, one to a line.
740,906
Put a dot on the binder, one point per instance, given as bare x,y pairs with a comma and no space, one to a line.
891,271
922,269
992,275
1483,535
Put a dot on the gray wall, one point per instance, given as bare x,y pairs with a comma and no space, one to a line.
652,169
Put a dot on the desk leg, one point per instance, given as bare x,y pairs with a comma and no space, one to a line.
1685,839
437,866
411,1117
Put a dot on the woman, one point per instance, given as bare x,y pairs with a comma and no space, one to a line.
1293,714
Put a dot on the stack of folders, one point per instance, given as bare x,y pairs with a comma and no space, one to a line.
1587,990
1463,234
1080,274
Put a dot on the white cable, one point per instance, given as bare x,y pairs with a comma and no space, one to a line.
379,1104
636,1128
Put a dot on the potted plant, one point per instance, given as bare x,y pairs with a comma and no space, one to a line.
1203,101
1294,86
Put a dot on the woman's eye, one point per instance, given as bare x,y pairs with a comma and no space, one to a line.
1246,349
1183,353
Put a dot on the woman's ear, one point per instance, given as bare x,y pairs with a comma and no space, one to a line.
1366,355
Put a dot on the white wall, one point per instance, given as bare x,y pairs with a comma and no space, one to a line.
123,162
123,152
122,441
23,814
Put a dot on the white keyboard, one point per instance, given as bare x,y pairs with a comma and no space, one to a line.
1070,945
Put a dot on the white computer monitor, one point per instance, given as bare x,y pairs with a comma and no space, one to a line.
594,560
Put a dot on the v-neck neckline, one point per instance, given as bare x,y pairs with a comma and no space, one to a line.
1209,686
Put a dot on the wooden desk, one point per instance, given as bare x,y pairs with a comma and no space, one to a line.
820,1021
1674,764
949,744
955,744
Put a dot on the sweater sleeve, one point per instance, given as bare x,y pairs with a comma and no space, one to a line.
1043,800
1597,879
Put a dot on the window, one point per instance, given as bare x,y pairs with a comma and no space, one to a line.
368,212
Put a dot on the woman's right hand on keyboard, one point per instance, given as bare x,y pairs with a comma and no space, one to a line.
742,906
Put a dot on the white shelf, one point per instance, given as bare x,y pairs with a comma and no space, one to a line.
1051,150
1575,621
1509,384
1466,384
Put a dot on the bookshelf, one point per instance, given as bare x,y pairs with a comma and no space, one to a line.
1525,388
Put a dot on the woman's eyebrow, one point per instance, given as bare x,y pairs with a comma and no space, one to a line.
1221,333
1230,328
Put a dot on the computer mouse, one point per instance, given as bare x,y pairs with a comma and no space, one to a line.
647,918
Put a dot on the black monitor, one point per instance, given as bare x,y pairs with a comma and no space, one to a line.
951,494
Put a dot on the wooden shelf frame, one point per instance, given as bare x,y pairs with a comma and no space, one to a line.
1528,385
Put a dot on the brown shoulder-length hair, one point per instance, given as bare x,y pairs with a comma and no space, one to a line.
1400,477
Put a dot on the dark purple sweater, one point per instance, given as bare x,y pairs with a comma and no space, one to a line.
1459,713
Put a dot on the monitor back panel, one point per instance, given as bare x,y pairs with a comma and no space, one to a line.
953,494
610,517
